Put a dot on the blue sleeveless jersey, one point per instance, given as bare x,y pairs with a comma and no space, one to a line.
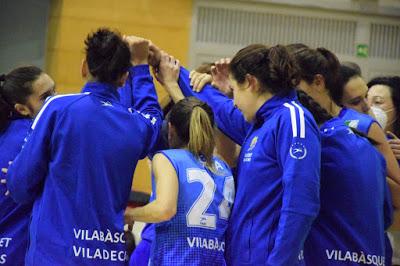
196,234
349,229
14,217
354,119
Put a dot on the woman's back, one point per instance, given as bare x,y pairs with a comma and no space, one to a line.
350,226
196,234
14,218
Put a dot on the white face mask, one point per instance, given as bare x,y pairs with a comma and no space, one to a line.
380,115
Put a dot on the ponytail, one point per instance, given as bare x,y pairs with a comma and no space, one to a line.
321,115
201,136
193,121
332,79
322,62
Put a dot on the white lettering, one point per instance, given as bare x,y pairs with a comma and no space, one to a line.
113,255
77,251
191,242
122,256
108,237
206,243
330,255
347,256
357,257
77,233
101,254
3,259
362,258
4,242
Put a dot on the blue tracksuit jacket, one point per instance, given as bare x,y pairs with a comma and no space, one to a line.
277,195
77,167
14,217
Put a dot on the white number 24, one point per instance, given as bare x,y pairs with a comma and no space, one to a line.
197,216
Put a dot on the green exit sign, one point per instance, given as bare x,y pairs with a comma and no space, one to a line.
362,50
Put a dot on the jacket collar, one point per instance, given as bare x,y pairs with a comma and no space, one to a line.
269,107
104,90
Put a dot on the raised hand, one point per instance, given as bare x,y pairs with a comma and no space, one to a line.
154,55
168,71
167,75
199,80
139,48
220,76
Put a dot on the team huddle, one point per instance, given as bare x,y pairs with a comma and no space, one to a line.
280,155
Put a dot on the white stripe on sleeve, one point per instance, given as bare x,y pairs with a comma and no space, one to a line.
292,118
302,123
47,103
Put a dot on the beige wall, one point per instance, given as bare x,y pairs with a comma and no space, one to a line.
165,22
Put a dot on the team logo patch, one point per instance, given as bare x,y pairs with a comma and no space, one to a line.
253,143
298,151
106,103
352,123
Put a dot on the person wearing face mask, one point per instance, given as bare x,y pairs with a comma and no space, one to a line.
358,114
22,94
384,95
355,203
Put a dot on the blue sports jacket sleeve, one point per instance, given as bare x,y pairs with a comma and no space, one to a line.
387,206
227,117
299,157
144,100
26,174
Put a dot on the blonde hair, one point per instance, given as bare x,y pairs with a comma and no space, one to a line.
201,136
194,124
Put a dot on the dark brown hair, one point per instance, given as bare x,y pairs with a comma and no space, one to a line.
107,55
16,87
323,62
321,115
272,66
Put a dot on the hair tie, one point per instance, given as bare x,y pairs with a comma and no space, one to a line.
196,105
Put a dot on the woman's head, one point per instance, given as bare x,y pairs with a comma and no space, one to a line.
107,57
384,93
258,72
294,47
319,73
191,125
354,88
23,92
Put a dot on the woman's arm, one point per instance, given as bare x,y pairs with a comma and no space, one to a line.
163,208
167,75
393,171
300,184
